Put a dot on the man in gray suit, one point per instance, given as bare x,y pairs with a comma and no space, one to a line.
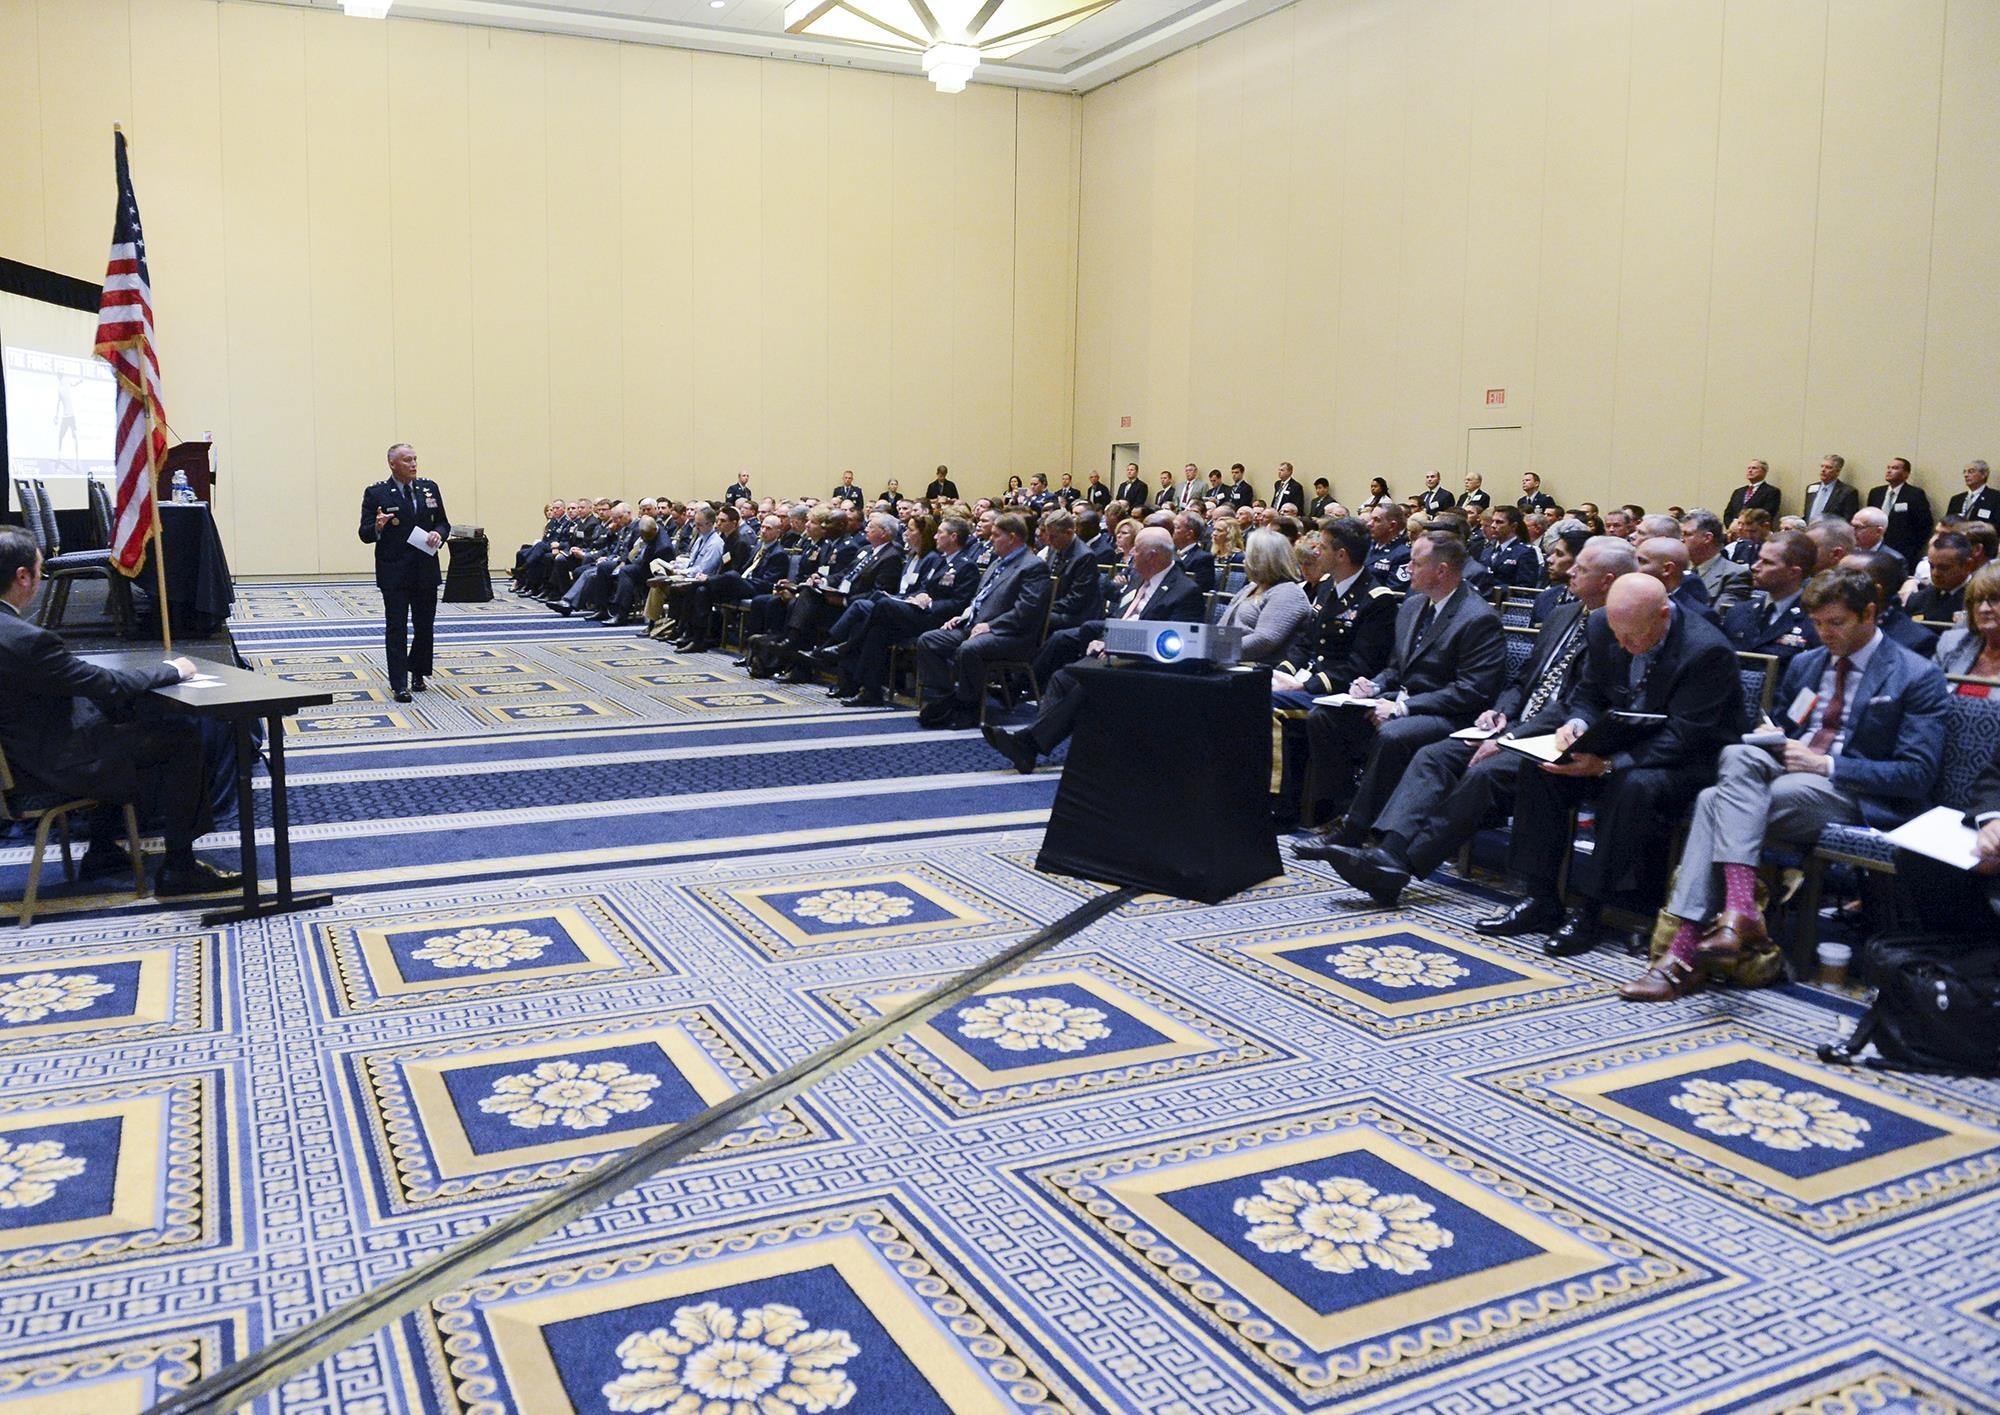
1727,583
1448,664
1830,496
1004,621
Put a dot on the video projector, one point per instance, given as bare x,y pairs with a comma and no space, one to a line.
1173,641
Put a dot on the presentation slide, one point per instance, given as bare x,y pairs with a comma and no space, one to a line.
60,401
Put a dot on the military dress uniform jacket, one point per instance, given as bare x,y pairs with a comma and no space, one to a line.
1751,629
953,583
1538,501
1347,636
398,564
1514,564
1390,564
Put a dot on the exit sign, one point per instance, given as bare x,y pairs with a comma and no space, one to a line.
1496,397
1125,421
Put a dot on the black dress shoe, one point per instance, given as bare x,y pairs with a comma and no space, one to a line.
417,683
1530,916
1375,873
1343,832
937,712
194,876
562,607
867,697
403,696
603,616
1578,933
963,717
104,860
739,662
1016,747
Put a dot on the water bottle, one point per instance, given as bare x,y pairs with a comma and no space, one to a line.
182,491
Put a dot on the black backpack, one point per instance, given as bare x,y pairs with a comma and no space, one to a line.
1937,1006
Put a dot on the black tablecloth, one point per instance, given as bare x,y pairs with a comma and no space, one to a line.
466,578
199,591
1167,785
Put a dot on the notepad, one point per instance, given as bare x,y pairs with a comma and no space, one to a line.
1942,834
1477,734
1349,700
421,540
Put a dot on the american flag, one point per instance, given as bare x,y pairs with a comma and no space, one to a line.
125,341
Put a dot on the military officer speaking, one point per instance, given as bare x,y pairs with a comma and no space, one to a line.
404,519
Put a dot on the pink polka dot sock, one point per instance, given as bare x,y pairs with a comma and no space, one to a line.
1683,943
1739,884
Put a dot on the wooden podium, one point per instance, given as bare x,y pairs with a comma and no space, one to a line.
191,458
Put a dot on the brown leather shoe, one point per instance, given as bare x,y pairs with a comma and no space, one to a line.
1664,981
1724,942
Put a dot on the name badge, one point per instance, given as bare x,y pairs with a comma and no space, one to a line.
1802,705
847,584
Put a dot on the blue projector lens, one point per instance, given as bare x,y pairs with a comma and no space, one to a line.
1168,645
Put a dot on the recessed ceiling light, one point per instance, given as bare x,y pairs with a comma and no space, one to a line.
717,4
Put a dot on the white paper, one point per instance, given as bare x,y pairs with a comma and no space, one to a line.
1542,748
1349,700
201,680
1942,834
421,539
1477,734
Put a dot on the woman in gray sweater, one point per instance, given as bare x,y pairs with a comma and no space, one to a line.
1270,608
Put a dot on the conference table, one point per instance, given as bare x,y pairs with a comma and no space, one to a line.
242,698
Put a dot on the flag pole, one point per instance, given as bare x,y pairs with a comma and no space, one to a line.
153,534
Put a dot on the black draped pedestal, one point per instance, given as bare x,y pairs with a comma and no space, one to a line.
1167,784
467,580
199,591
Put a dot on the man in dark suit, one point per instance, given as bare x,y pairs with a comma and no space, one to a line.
1977,502
407,575
904,617
876,569
1448,662
1755,491
1454,785
1641,654
1908,510
1951,566
1198,562
1322,501
1533,498
1004,621
1132,491
1160,592
1772,621
68,731
1667,561
1433,497
1864,726
1829,495
1288,489
1476,500
1073,573
1097,495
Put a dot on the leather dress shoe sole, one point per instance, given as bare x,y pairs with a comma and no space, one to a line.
198,878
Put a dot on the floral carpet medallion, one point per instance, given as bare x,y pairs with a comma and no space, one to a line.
1052,1031
1336,1252
458,1121
849,1309
1836,1153
370,962
64,998
788,918
1398,979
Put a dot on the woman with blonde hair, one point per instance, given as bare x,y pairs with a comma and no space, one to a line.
1972,649
1270,608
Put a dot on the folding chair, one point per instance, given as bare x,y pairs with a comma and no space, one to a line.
44,811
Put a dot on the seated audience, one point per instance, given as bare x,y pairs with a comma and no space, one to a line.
1271,606
1864,749
1003,622
1886,571
903,617
1389,554
1972,649
1772,621
1566,542
1197,563
1950,560
1726,583
1666,560
1351,628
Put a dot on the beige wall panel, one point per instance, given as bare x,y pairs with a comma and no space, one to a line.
265,227
1217,341
1761,284
728,261
656,286
177,129
1371,270
1263,220
1309,345
347,276
862,398
982,283
1168,225
1871,265
1430,323
1961,415
922,276
84,58
1111,286
1044,285
508,187
430,335
1509,136
1582,216
1668,229
586,257
22,215
796,333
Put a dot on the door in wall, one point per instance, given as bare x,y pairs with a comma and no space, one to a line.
1121,453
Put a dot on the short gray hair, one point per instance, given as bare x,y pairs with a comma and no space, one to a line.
1615,552
1659,524
1835,458
890,525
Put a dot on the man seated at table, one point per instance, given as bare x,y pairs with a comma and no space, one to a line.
68,730
1863,724
1160,591
1642,654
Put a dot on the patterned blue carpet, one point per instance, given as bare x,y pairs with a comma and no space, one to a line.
1291,1153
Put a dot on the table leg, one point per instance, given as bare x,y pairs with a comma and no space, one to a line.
256,904
246,810
281,832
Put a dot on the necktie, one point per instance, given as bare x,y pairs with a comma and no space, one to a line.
1138,603
1424,618
1829,726
1889,501
1554,676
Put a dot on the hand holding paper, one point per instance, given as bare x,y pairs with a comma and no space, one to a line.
422,540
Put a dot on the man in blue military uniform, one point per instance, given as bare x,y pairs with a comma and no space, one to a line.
1533,498
1389,553
1773,621
901,618
406,571
847,491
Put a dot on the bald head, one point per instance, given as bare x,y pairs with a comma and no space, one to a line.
1665,559
1153,551
1638,612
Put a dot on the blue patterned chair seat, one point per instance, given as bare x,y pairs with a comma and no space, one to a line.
1857,844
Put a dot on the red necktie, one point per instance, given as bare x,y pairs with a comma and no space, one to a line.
1829,726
